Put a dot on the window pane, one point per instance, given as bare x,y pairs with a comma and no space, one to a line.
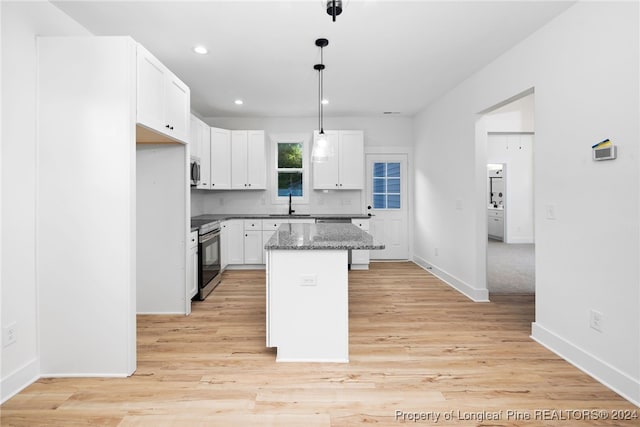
379,169
393,185
393,201
393,169
378,185
379,201
290,182
289,155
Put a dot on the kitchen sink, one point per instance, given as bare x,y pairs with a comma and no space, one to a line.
288,216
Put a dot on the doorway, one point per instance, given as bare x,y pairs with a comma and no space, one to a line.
510,250
386,199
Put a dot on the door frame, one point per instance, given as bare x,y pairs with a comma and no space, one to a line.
408,152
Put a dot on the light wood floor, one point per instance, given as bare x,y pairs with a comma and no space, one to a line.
415,345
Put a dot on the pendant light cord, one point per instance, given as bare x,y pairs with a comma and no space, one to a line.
321,91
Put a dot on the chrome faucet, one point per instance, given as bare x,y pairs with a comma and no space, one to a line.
290,210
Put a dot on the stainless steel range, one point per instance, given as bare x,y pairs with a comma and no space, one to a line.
208,256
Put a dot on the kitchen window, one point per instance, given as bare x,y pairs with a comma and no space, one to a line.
386,185
291,167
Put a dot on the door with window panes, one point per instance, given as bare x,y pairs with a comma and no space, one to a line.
386,193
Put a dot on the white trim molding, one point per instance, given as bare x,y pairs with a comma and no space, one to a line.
19,379
474,294
609,376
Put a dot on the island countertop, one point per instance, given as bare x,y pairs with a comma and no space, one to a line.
322,236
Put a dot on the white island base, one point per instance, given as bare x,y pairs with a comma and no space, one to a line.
308,305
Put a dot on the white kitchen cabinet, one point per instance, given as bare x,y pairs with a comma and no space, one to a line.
253,247
360,258
192,267
224,239
345,168
163,101
200,142
495,224
234,241
220,159
248,160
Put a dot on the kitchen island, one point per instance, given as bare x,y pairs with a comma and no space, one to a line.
308,290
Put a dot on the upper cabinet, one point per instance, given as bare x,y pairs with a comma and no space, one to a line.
248,160
163,103
220,159
345,168
201,147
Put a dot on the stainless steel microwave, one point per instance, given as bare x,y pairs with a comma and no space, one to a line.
195,171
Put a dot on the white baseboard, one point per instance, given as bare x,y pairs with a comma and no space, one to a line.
19,379
475,294
167,313
84,375
520,240
246,267
608,375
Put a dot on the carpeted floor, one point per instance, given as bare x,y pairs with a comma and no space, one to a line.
510,268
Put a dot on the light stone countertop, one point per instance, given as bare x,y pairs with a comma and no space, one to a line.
324,236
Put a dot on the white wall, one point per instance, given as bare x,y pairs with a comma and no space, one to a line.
21,22
86,206
516,116
160,228
584,67
393,132
516,151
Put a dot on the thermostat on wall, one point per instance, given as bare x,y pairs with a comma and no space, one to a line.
604,150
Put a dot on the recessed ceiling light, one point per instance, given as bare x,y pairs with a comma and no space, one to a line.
238,102
201,50
325,101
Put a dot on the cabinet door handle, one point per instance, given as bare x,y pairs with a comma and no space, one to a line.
336,185
340,185
168,127
171,127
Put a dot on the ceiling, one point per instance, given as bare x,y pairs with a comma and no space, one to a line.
382,55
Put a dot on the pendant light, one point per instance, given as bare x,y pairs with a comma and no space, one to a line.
321,150
334,8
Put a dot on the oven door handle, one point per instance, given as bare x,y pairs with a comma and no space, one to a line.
209,236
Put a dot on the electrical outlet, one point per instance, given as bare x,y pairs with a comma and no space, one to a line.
435,251
595,320
550,211
221,201
308,280
9,335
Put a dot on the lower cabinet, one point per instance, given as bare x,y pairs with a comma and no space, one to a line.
360,258
233,241
192,267
495,224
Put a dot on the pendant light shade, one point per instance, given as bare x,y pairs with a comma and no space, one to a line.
321,149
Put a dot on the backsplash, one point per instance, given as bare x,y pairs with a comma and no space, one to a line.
258,202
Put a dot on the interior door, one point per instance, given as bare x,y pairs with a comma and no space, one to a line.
386,193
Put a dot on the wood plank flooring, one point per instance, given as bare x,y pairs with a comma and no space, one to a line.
416,345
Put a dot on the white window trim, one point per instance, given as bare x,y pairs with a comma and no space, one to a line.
306,166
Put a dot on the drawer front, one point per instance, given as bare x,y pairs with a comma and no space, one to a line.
302,221
362,224
252,224
272,224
